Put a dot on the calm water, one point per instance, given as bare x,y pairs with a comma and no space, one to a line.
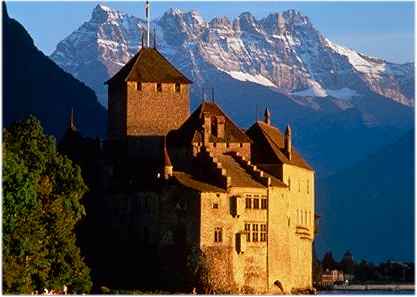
368,292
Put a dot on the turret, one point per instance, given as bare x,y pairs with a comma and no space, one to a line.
267,116
168,168
71,121
287,140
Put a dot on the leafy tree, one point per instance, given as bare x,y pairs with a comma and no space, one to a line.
41,207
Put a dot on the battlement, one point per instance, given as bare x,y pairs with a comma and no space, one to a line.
216,169
256,173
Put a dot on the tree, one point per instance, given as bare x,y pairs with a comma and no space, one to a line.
328,261
41,207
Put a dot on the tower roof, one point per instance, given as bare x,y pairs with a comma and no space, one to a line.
148,65
192,130
269,142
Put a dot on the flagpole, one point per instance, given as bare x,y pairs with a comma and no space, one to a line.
148,9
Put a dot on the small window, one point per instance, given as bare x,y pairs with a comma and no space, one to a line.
299,185
139,86
254,232
248,203
218,234
256,203
177,87
263,232
247,231
264,203
215,205
159,87
289,184
308,186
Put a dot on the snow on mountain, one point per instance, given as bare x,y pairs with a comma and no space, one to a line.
282,51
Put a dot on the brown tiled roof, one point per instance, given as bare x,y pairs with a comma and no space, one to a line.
192,129
240,177
268,144
192,182
148,65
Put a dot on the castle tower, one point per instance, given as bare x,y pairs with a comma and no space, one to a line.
147,97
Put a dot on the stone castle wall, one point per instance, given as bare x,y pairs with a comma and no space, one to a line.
153,112
116,111
301,207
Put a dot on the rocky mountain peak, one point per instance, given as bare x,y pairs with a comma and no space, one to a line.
220,22
102,13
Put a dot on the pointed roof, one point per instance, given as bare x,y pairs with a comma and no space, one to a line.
268,141
267,116
167,160
191,130
71,122
148,65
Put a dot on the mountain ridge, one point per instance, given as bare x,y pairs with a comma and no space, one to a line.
282,50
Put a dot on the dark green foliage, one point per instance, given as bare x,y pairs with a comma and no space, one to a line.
41,206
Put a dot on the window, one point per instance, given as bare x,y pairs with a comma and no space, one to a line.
248,203
159,87
247,231
308,186
254,232
139,86
218,234
289,184
264,203
299,185
177,87
215,205
263,232
255,203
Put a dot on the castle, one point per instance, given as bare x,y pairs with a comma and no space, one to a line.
240,201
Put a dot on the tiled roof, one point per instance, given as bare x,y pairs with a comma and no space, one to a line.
192,182
240,177
192,129
268,146
148,65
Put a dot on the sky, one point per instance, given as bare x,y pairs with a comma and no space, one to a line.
379,29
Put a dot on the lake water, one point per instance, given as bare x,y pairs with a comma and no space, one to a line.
367,292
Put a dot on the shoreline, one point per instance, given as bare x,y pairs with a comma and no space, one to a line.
375,287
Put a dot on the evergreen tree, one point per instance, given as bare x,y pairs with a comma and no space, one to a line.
41,207
328,261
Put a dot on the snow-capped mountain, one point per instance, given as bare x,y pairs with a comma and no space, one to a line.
282,51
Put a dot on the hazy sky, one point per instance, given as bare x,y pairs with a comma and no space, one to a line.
380,29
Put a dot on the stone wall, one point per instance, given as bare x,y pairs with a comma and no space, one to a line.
153,112
301,206
116,111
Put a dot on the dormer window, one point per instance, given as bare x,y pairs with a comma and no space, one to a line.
177,87
159,87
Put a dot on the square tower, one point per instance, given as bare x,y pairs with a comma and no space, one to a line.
147,97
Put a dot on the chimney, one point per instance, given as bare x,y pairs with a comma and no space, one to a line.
207,127
168,168
287,140
267,116
220,121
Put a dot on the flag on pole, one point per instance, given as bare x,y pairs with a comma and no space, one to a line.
147,9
